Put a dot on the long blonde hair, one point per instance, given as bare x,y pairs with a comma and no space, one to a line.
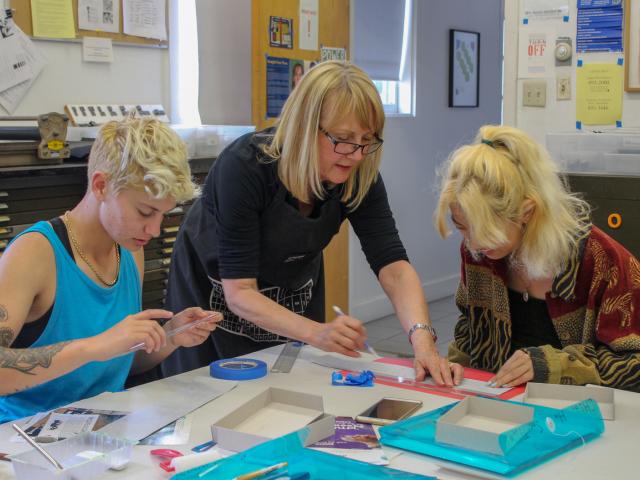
332,90
143,154
490,180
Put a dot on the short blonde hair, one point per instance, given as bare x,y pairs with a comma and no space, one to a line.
333,90
143,154
490,180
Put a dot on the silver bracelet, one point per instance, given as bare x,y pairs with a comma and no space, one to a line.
423,326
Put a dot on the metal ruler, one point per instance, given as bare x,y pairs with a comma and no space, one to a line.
287,357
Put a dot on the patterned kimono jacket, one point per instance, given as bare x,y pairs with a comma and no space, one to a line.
594,305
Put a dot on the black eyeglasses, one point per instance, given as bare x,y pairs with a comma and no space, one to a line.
347,148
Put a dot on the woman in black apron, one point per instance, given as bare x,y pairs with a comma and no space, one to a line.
251,246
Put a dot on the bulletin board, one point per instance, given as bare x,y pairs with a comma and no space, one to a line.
22,17
333,31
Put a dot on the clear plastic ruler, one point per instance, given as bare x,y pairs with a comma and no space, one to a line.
287,357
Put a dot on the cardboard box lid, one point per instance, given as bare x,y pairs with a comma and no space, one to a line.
483,424
562,396
272,413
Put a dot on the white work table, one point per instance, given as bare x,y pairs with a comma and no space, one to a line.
610,456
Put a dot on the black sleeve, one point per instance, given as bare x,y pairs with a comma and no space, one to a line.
374,224
236,194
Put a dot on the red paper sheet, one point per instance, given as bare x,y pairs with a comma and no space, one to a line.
470,373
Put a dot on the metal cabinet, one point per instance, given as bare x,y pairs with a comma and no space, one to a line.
615,203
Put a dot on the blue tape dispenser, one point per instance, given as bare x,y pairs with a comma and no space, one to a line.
353,379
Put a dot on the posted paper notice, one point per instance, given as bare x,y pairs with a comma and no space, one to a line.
599,93
52,19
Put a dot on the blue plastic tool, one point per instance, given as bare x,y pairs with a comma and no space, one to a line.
362,379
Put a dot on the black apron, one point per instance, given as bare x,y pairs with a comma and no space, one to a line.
291,274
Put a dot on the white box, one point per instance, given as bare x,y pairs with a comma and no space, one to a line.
270,414
561,396
477,423
612,151
85,456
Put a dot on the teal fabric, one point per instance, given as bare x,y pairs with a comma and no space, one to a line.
552,432
82,309
290,449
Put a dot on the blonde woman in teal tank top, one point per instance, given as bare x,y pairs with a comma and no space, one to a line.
79,286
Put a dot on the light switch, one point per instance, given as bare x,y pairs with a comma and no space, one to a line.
563,87
534,93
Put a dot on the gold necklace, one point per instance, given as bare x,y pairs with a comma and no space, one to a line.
76,245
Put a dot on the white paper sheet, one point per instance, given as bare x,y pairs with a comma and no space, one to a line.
11,97
64,425
536,51
144,18
544,10
308,36
102,15
96,49
14,64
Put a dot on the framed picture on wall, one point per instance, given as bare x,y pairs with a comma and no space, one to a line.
464,64
632,46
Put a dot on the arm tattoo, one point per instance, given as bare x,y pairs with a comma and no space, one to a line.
6,337
4,315
26,359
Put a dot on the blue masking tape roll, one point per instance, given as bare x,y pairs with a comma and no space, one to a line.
237,369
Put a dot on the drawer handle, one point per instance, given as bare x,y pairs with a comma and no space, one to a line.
4,194
614,221
3,206
169,240
166,261
5,218
4,243
5,230
170,229
167,251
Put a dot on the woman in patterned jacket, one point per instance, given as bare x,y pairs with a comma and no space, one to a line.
544,294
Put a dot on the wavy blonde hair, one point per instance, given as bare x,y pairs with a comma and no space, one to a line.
143,154
334,91
490,180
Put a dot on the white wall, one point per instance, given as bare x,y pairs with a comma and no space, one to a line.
415,146
558,115
141,74
137,75
224,31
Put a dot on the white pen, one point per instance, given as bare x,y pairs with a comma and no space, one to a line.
369,348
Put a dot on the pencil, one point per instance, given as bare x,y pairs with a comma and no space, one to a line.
262,471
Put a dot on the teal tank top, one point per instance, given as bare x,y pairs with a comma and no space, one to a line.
81,309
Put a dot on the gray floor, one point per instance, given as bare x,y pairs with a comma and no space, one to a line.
388,338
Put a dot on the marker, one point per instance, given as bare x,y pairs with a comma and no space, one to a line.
369,348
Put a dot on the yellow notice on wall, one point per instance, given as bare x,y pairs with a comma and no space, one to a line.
599,93
53,19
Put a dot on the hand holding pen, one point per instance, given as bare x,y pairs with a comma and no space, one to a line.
188,328
369,348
